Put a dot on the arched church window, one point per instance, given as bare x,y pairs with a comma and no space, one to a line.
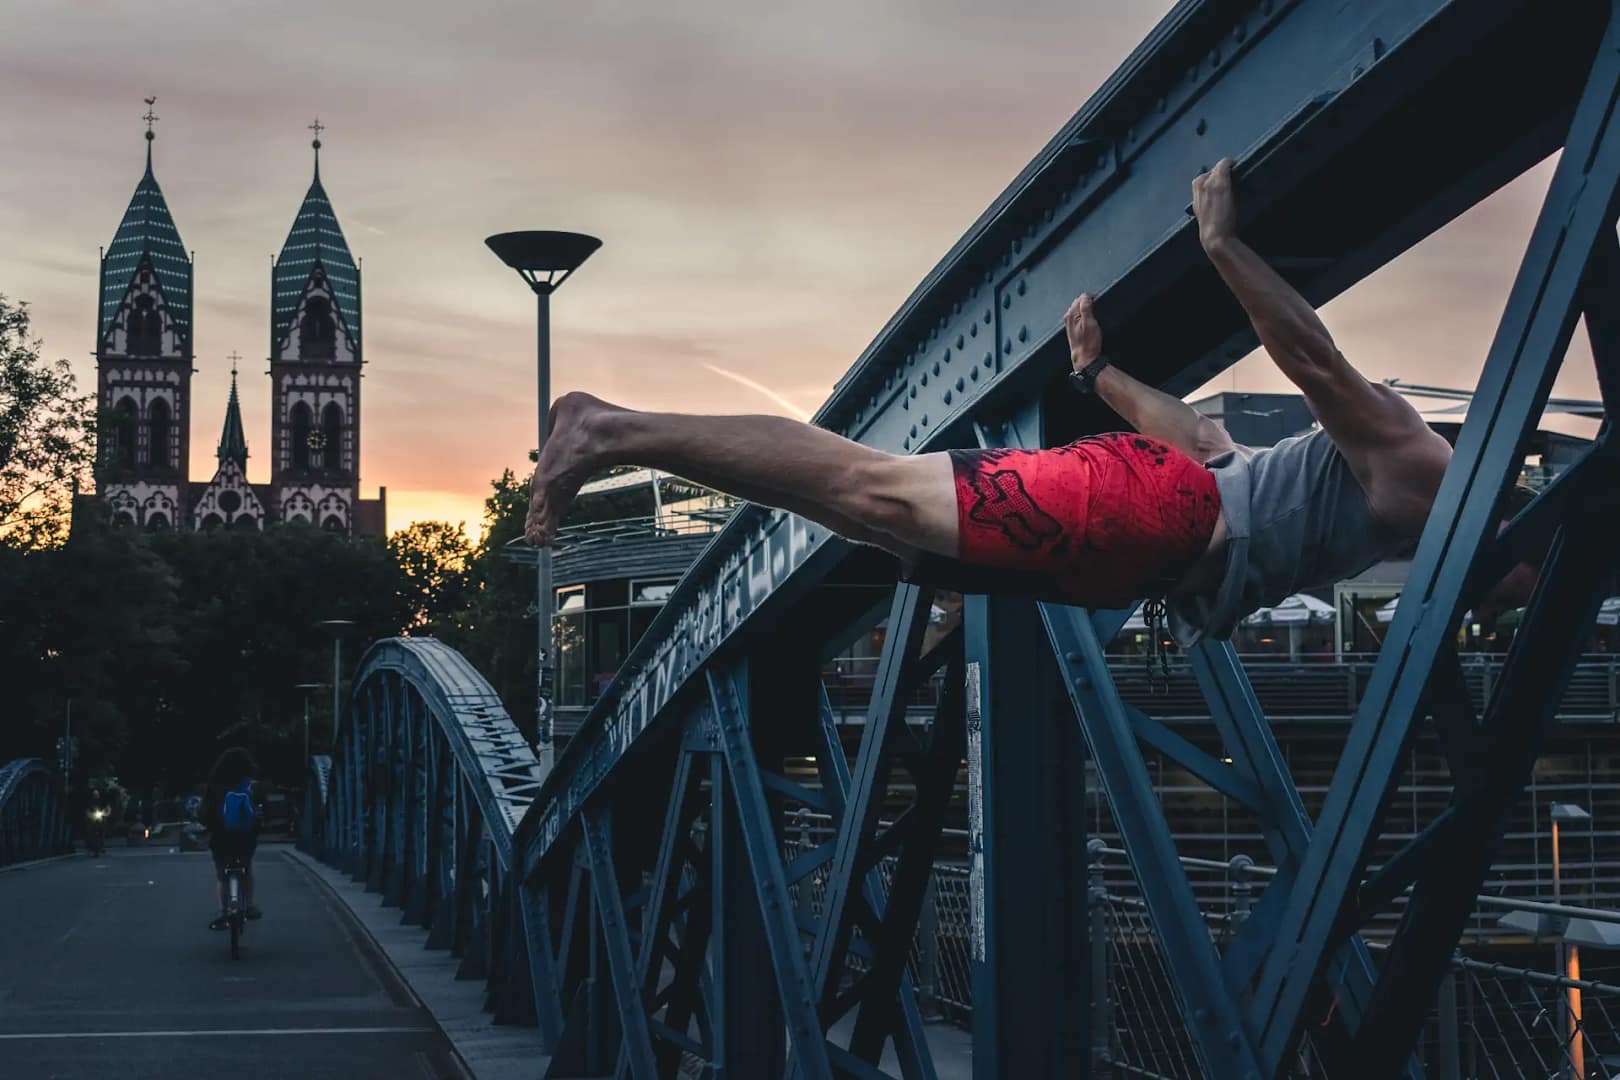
333,523
157,522
124,422
332,436
299,419
124,518
212,521
157,434
145,328
317,332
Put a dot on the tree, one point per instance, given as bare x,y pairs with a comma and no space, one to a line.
47,436
433,559
497,635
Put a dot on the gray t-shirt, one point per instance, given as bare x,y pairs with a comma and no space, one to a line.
1295,519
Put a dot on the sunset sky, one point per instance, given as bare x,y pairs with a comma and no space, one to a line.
771,182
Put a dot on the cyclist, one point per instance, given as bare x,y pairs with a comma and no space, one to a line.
231,813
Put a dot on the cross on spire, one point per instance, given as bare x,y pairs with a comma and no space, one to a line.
235,358
150,117
317,127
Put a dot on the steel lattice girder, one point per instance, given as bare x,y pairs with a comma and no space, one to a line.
429,779
1317,98
33,819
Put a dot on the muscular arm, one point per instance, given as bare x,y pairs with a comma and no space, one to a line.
1395,456
1151,412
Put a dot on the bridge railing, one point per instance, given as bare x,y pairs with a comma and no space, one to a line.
33,816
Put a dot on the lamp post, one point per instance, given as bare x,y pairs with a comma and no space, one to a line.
306,687
1569,956
336,626
544,260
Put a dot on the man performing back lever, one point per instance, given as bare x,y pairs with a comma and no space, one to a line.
1175,510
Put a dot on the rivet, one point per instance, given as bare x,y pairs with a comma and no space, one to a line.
1006,302
946,358
905,403
924,379
1072,657
947,397
908,444
924,419
1022,286
974,374
1006,346
987,316
973,331
1023,333
936,367
913,391
988,359
960,382
959,344
913,431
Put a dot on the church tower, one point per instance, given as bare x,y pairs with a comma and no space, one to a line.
315,361
143,360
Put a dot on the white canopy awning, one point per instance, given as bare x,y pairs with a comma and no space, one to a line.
1297,610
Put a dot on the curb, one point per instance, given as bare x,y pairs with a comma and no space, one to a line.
34,864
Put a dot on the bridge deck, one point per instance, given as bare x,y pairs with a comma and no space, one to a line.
107,969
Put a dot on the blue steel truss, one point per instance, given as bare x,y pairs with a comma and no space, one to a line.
641,904
33,819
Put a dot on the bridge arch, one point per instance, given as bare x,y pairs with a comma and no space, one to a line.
421,798
33,817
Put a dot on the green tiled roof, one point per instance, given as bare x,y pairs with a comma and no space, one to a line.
149,230
233,440
316,239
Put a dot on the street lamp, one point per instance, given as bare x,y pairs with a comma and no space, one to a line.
1569,956
544,260
307,687
336,626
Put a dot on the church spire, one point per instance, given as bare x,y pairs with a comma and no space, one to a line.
314,246
147,233
233,439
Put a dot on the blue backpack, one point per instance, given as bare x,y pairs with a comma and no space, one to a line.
239,814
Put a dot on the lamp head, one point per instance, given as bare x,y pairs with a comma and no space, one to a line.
543,258
1563,811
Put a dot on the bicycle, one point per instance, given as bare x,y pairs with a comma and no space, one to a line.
235,908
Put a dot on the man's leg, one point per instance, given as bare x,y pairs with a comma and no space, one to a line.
904,504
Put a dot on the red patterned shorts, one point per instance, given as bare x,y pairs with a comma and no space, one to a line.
1100,522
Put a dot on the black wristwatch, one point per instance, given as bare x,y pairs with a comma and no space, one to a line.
1085,380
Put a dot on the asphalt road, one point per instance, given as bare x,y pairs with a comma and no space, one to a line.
107,969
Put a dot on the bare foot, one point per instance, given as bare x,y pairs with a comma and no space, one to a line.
566,462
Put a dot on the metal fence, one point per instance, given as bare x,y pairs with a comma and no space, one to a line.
1493,1019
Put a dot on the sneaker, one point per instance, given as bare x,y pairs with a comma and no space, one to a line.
219,923
253,912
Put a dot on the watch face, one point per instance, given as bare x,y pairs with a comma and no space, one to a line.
316,440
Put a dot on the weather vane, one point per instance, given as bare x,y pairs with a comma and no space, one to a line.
150,117
317,127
